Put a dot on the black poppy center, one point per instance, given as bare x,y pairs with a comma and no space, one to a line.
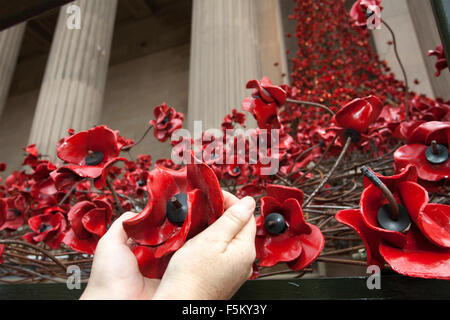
236,170
94,158
369,13
401,224
275,223
165,120
15,211
44,227
141,183
436,153
177,208
353,134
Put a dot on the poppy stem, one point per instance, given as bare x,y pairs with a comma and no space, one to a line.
317,163
114,194
314,104
387,193
330,173
37,248
177,204
67,195
434,147
127,148
394,42
291,172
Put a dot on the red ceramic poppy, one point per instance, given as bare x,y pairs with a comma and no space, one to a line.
358,11
138,181
17,212
149,265
167,163
89,221
181,204
417,151
359,114
166,121
283,235
90,154
2,166
420,251
234,118
32,158
122,142
144,161
441,62
264,103
97,145
267,92
49,227
251,189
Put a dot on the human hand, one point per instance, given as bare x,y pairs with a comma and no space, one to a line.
216,262
115,273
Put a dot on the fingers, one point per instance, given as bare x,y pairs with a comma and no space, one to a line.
229,199
116,233
248,233
233,220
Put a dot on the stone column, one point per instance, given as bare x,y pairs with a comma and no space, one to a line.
224,56
72,90
397,15
10,42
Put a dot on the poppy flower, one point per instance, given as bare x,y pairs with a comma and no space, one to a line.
233,118
138,181
422,246
181,204
2,166
144,161
441,62
166,121
149,265
237,172
355,118
267,92
167,163
123,143
89,154
427,149
251,189
17,212
32,158
44,184
359,13
264,103
49,227
89,221
282,234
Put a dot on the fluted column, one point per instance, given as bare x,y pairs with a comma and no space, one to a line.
74,82
224,56
10,42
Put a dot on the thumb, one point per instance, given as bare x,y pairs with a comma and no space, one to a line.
233,220
116,233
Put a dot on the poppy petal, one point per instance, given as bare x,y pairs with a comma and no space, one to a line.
312,246
419,258
353,219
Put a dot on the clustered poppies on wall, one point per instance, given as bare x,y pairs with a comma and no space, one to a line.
343,100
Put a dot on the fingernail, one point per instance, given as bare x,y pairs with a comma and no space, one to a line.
248,203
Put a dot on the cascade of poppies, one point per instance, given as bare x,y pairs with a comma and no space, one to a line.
335,63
